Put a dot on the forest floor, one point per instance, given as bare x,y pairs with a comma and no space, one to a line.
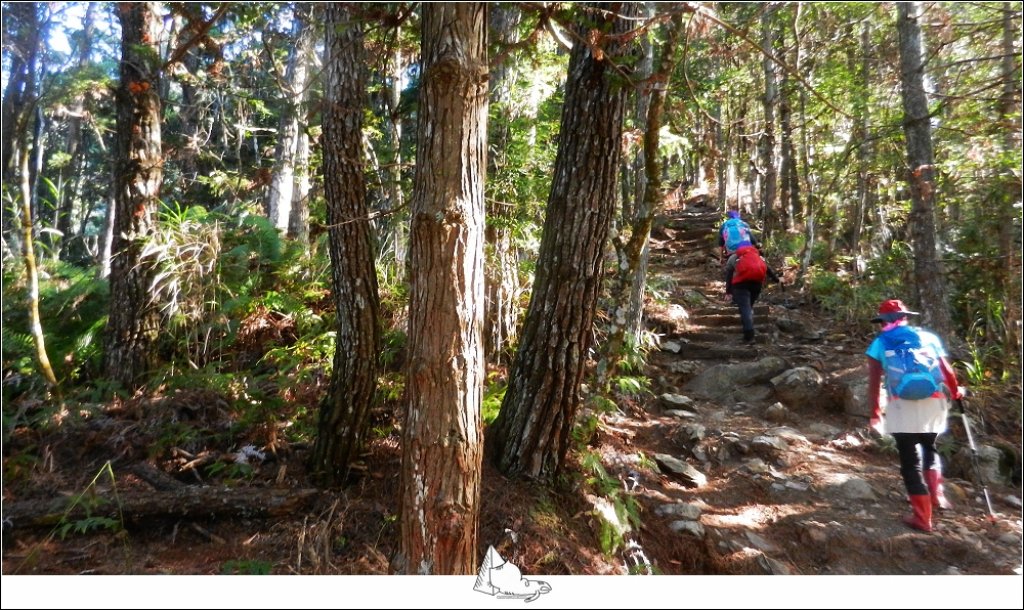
801,489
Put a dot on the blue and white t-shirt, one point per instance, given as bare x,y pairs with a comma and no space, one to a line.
912,416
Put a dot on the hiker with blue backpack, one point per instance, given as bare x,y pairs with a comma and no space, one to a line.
733,234
919,382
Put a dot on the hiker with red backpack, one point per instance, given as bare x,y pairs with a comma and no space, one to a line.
919,383
745,273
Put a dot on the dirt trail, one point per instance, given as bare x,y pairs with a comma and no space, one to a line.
760,489
791,489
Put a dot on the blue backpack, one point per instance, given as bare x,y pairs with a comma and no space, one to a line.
735,232
912,370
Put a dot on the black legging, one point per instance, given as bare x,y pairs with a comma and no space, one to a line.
745,294
912,463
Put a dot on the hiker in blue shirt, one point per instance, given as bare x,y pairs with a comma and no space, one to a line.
733,234
919,382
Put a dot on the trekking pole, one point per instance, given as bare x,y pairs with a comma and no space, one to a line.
974,459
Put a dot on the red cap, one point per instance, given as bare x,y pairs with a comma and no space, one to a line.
892,310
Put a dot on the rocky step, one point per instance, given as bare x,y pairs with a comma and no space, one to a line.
726,309
691,234
716,337
736,351
696,224
717,321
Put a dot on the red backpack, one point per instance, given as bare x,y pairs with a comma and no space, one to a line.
750,267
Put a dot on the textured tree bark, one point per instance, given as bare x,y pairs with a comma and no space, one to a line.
929,272
442,444
345,410
134,319
531,433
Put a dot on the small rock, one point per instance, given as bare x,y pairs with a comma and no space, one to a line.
813,533
823,430
768,446
685,367
690,476
756,466
777,413
761,543
677,400
770,566
672,347
851,487
794,485
953,571
1010,538
692,432
1013,501
692,528
681,510
681,414
778,487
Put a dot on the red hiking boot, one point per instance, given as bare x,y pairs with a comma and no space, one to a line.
921,518
934,480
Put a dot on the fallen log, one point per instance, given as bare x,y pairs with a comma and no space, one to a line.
134,507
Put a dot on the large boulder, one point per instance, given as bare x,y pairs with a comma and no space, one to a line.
847,391
718,382
989,467
799,387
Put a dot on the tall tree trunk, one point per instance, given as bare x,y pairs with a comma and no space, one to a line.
1009,215
21,33
792,211
282,185
502,280
35,321
23,104
345,410
442,444
722,154
134,319
865,151
766,143
810,205
71,173
929,271
298,221
630,275
531,433
397,222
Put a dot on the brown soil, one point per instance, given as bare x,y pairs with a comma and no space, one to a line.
762,513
